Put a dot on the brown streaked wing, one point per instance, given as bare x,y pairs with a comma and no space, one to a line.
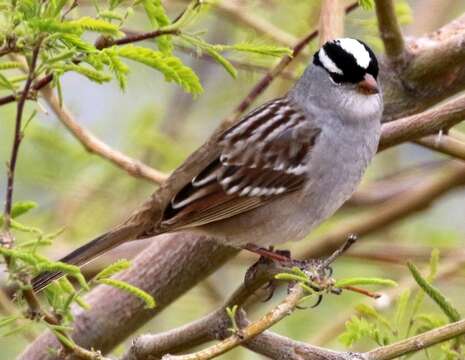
263,157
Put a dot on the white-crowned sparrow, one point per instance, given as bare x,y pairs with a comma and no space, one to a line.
284,168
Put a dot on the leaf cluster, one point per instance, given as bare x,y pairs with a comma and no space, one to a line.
407,319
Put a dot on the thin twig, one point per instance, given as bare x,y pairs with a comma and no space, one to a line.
389,30
94,145
261,26
18,135
104,42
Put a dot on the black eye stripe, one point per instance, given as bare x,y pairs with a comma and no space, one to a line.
352,72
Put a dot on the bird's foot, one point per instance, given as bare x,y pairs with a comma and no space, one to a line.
315,274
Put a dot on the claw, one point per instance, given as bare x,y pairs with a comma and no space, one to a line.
271,285
318,302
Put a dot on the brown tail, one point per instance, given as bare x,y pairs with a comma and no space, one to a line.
88,252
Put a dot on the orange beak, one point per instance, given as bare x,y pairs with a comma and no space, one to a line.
368,86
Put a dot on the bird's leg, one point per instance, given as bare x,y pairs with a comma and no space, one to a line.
269,257
281,256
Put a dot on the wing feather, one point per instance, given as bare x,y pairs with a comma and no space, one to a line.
263,156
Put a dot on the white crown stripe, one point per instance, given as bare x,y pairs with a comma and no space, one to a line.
327,63
357,50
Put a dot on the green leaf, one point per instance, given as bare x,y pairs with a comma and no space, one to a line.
21,207
364,281
290,277
268,50
5,65
75,41
119,68
231,312
434,294
372,313
5,83
215,55
367,4
56,26
156,13
56,6
433,265
158,18
113,269
357,329
420,296
93,75
189,14
15,330
64,55
7,320
401,310
58,266
171,67
25,228
213,52
97,25
141,294
64,339
42,264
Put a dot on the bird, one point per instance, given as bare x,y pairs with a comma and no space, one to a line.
278,172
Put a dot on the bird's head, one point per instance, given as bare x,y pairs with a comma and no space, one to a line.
351,64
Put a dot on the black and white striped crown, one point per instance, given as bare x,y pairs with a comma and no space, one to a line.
347,60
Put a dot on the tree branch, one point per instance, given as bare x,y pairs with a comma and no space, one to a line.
418,342
217,324
269,319
331,20
433,71
389,30
445,144
441,117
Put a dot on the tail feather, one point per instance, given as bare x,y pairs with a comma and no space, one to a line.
87,252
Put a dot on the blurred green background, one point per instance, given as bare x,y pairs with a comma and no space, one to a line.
156,122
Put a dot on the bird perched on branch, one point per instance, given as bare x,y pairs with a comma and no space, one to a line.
278,172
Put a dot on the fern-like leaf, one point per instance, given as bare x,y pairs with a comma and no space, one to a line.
97,25
171,67
141,294
93,75
113,269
